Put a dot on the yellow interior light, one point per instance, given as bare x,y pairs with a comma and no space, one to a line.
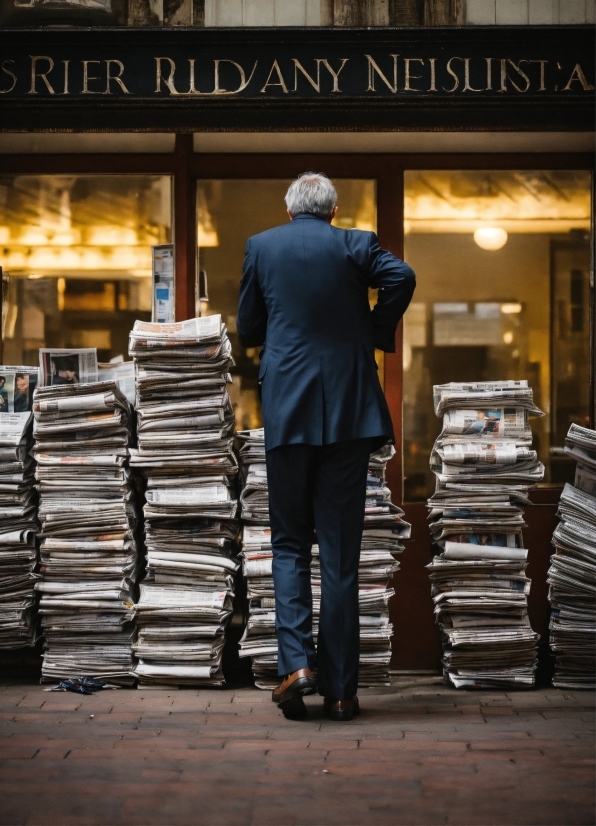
511,309
490,238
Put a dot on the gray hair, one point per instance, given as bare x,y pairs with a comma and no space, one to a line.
311,192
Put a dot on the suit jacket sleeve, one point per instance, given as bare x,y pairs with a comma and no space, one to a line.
251,321
395,281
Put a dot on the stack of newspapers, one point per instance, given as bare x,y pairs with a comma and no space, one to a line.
89,558
572,575
185,425
384,529
18,531
484,466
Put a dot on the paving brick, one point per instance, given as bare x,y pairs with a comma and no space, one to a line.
416,755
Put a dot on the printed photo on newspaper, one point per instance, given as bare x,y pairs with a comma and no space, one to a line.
67,366
16,388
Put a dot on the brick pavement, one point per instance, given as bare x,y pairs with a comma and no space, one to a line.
418,754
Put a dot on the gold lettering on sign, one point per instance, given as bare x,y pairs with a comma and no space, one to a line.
453,75
505,77
409,76
280,82
116,78
489,73
334,74
10,74
433,74
542,65
65,87
467,86
577,76
373,68
87,77
218,90
298,67
191,71
43,75
169,80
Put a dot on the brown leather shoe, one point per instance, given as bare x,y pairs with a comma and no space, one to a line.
342,710
294,686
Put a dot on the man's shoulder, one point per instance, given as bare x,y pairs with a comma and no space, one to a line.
268,235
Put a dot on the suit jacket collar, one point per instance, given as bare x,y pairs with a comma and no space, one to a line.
306,215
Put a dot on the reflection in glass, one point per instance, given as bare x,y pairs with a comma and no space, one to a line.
78,253
502,260
229,212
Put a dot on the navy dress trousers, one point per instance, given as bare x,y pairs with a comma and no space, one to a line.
304,296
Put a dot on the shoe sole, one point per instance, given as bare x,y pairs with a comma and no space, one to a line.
302,687
294,709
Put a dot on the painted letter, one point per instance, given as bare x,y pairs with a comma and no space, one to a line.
407,61
43,75
453,75
65,88
281,82
86,78
334,74
542,65
578,75
169,80
298,67
505,77
374,68
117,78
489,74
467,86
433,74
10,74
217,90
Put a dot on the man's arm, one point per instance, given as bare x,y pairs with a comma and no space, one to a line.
396,283
251,321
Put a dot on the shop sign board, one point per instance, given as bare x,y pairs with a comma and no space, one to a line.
202,70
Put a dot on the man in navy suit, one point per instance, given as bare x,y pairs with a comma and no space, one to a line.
304,296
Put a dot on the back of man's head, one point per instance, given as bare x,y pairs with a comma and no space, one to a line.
311,192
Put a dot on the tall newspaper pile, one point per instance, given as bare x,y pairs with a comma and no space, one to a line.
18,530
572,575
384,528
88,548
484,466
185,425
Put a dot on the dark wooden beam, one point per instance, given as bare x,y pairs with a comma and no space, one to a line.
185,228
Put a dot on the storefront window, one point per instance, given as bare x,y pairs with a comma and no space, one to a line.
229,212
503,266
77,250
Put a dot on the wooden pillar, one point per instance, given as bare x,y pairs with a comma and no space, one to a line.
390,223
185,228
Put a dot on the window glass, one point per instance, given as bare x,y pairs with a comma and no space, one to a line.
229,212
77,249
503,261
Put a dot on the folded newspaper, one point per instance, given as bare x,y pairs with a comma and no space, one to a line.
89,554
572,573
185,427
484,466
383,535
18,532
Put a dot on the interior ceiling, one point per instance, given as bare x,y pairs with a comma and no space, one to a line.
518,201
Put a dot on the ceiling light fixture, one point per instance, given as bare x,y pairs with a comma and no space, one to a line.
490,238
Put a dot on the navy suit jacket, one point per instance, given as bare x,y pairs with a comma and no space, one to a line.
304,295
